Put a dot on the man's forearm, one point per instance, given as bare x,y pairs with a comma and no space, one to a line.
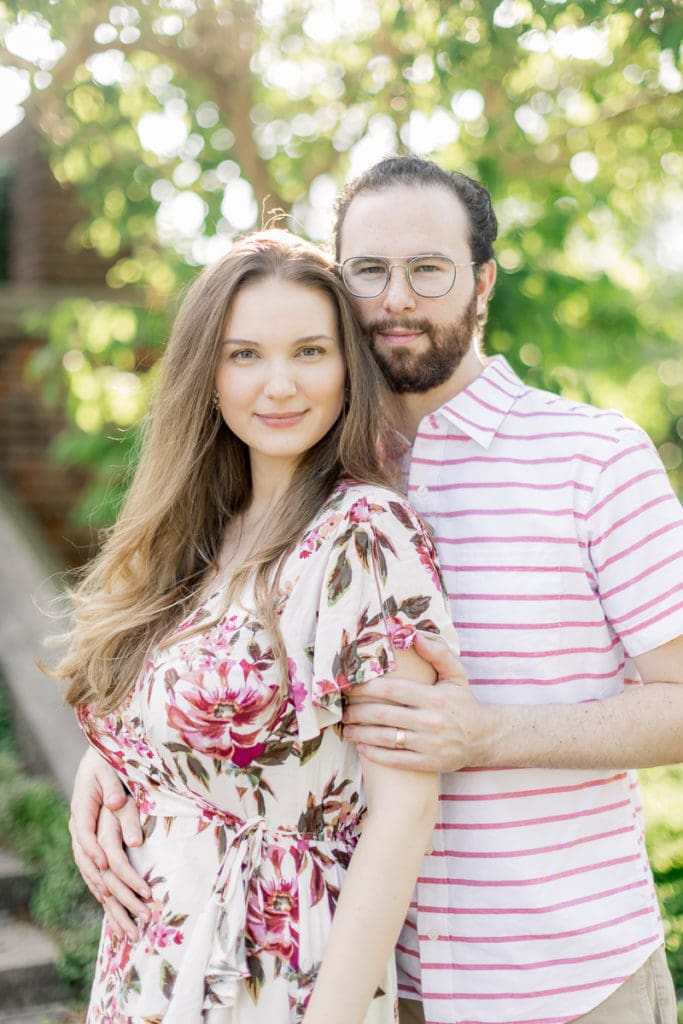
636,729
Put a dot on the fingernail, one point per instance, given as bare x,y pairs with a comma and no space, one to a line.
133,840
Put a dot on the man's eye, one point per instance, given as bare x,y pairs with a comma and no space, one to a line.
368,269
426,268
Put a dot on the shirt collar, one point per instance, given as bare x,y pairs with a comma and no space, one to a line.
480,409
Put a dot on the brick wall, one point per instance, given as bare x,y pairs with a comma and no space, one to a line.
43,270
43,216
47,491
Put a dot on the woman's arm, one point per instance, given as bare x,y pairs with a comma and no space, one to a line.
402,808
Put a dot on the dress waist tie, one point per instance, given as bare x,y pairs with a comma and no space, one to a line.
215,961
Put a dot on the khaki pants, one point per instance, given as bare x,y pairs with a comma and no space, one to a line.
646,998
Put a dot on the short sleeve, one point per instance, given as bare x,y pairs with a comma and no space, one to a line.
634,530
381,584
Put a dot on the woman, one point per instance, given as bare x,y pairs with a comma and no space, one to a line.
259,569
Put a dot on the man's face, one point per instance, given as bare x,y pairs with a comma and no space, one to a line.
418,342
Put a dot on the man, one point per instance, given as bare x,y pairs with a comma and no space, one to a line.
561,544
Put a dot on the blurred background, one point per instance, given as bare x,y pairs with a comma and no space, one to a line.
137,141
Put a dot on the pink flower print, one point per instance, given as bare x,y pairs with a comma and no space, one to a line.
119,951
231,712
162,929
313,538
426,555
400,633
273,906
307,547
359,511
297,689
143,799
324,687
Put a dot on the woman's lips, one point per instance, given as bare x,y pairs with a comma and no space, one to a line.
281,419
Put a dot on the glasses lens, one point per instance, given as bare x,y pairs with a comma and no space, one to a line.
365,277
431,276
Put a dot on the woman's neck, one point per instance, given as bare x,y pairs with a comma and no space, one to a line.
270,480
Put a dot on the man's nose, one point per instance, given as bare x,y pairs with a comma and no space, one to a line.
398,295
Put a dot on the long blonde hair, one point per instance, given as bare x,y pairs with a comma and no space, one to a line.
193,477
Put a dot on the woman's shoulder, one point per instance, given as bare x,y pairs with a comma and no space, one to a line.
360,502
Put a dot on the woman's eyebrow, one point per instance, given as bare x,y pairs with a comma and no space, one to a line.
297,341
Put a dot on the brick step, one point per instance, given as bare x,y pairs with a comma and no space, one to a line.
28,975
15,884
29,983
49,1013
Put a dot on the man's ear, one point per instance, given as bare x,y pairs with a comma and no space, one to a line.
486,279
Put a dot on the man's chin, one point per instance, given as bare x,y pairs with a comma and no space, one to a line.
407,374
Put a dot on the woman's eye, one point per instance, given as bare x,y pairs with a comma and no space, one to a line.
243,355
311,350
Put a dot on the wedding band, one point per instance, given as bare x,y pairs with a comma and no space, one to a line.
400,741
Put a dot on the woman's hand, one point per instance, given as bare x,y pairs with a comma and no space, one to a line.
104,819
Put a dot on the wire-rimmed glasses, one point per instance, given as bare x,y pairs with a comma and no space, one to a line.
430,275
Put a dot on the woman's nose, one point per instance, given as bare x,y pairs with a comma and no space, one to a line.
280,383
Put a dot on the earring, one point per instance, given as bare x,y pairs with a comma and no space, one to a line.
215,401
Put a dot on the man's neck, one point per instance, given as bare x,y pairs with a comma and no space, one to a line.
416,406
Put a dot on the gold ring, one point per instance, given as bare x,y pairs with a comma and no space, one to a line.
400,741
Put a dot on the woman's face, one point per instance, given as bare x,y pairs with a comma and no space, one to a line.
280,374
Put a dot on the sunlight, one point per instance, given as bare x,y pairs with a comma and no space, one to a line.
424,135
468,105
15,87
584,166
107,68
379,141
181,217
586,43
30,39
239,206
163,133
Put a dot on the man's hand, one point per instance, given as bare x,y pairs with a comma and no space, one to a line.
440,728
104,818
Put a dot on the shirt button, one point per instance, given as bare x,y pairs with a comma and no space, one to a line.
429,851
422,491
433,934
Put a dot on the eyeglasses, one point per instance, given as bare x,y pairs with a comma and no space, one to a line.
429,276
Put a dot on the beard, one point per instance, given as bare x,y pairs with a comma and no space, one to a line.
410,373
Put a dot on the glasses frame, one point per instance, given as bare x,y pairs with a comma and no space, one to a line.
405,263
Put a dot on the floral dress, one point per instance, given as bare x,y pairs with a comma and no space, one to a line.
251,801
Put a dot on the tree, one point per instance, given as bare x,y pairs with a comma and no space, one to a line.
184,122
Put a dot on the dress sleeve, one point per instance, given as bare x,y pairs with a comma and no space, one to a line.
381,585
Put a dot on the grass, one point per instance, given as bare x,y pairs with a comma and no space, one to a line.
663,801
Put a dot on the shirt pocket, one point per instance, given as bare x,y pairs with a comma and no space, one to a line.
508,608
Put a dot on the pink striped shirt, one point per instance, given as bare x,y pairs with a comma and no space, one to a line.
561,543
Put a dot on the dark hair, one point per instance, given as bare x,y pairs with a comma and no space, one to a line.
412,170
